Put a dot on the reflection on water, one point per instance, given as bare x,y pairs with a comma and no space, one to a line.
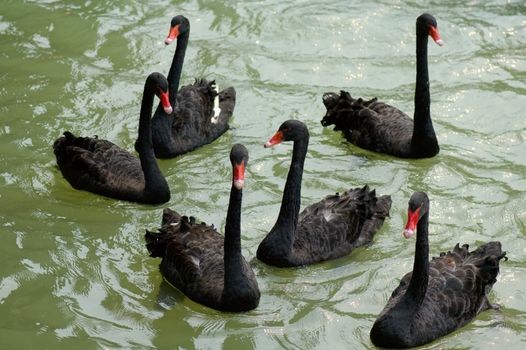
75,272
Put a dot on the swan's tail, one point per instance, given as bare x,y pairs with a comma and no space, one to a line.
487,258
173,224
69,146
218,106
343,111
68,139
156,243
376,210
217,110
223,103
227,102
170,216
62,142
339,109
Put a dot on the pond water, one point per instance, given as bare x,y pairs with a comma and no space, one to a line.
75,273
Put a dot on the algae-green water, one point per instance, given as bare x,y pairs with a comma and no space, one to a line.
74,271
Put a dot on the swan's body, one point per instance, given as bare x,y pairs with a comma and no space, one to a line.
101,167
440,295
325,230
201,263
382,128
200,113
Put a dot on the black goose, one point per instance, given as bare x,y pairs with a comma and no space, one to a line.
101,167
202,264
200,113
440,295
325,230
382,128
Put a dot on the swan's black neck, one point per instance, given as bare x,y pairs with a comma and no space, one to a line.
287,220
232,250
174,75
417,288
155,184
424,140
162,123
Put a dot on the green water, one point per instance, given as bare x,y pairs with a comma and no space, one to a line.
74,271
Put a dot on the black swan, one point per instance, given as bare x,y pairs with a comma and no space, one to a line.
99,166
379,127
200,113
325,230
202,264
440,295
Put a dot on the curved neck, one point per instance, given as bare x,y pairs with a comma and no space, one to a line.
174,75
232,246
162,123
423,131
291,201
153,177
417,288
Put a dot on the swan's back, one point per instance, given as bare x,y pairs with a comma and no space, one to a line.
197,120
370,124
459,282
337,224
192,258
99,166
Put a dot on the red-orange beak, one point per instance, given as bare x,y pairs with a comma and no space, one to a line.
165,101
239,175
412,220
277,138
174,33
433,32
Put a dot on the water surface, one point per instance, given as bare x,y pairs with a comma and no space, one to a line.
75,272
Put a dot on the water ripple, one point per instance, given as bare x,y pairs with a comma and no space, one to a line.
76,272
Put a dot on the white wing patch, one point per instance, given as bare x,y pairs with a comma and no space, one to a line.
217,110
328,215
195,260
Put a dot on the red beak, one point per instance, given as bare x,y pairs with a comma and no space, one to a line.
412,220
165,101
277,138
239,175
433,32
174,33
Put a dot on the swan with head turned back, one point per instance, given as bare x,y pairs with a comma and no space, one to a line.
379,127
101,167
200,113
325,230
204,265
440,295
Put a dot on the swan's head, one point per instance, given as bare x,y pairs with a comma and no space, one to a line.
291,130
158,83
179,24
428,23
239,160
418,207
